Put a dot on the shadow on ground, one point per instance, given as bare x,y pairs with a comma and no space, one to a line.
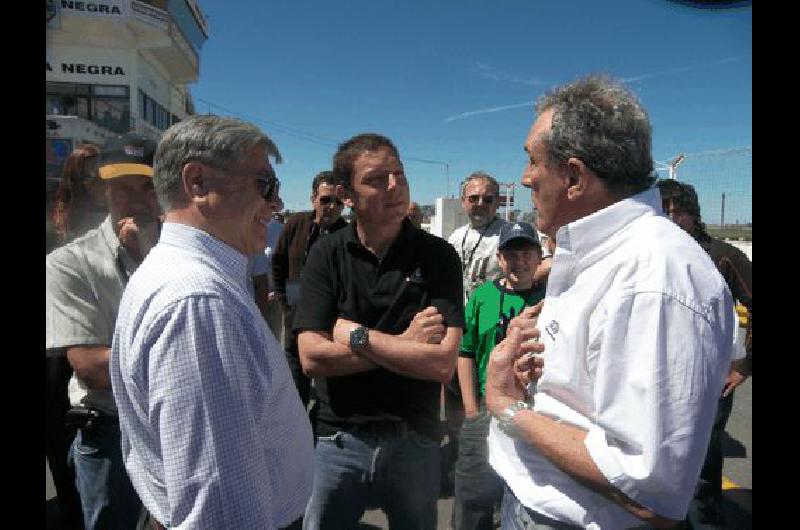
738,506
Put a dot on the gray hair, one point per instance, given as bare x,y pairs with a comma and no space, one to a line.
214,140
599,121
480,175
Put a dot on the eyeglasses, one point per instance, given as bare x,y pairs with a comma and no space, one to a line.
268,185
487,199
328,199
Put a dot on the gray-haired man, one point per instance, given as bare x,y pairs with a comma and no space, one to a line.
213,431
636,329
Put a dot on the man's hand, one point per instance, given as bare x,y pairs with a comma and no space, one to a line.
527,318
341,331
138,235
736,376
503,387
427,327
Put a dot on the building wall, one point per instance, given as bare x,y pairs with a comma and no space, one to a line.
449,216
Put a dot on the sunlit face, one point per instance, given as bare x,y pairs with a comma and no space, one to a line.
518,264
237,212
131,196
480,202
379,191
327,205
548,181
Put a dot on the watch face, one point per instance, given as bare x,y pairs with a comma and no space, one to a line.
359,336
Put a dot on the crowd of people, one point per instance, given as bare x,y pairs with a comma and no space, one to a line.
210,366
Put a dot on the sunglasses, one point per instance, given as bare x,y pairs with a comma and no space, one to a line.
487,199
268,185
328,199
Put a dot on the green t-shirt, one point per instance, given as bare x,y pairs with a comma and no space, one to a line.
487,321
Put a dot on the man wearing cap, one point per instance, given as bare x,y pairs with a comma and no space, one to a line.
213,432
85,280
478,489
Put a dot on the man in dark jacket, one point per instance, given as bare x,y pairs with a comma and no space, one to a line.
299,234
681,205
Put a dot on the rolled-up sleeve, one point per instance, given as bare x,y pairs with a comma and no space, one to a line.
660,365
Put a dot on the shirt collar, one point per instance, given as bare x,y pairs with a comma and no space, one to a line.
228,259
118,252
582,236
353,242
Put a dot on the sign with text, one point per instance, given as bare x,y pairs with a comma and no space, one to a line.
103,9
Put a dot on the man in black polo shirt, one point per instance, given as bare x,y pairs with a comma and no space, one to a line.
379,324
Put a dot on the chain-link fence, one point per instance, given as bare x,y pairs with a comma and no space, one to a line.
724,183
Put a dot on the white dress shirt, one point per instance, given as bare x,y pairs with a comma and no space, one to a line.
638,329
477,249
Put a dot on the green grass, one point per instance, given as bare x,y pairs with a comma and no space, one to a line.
738,232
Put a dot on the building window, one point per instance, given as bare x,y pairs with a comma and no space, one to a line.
153,113
105,105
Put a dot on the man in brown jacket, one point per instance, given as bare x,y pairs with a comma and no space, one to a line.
299,234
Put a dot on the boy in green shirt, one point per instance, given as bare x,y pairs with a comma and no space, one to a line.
489,310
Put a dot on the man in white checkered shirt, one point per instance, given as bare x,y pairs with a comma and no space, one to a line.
213,432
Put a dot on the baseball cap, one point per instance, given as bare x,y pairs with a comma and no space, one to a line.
127,154
513,231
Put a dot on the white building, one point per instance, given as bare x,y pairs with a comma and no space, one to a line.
114,66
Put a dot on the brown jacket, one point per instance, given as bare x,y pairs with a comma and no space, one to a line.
291,252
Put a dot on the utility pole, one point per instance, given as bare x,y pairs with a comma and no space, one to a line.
722,216
673,166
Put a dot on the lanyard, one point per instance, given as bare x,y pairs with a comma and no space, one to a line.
466,262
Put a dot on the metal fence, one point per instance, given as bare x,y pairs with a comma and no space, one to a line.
724,183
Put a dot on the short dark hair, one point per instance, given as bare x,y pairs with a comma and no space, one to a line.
323,177
599,121
683,197
348,151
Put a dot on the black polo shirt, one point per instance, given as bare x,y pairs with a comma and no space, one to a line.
343,278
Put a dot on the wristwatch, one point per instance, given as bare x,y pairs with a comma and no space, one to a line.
505,420
359,337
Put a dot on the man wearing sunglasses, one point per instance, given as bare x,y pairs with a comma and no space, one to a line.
476,245
212,431
294,243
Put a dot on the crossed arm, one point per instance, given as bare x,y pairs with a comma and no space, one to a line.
426,350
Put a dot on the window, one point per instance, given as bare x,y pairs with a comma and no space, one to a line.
105,105
153,113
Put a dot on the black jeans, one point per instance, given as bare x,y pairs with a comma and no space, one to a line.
478,489
705,509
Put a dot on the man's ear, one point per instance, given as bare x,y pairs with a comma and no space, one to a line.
578,178
345,195
194,181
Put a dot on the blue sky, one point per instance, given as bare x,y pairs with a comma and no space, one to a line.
454,81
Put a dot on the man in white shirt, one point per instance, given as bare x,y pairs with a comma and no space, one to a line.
476,245
636,329
476,241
